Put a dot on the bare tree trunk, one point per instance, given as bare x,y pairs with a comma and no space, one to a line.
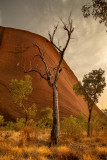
89,118
26,118
55,127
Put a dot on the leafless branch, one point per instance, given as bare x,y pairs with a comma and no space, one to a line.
67,27
48,74
34,70
51,36
41,55
59,46
41,52
62,68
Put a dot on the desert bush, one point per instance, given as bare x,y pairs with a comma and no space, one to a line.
31,122
1,120
82,121
73,126
46,118
20,123
20,90
10,125
97,123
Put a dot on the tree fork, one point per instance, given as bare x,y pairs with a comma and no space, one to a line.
49,74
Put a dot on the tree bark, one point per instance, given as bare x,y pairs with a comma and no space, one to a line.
26,118
55,127
89,118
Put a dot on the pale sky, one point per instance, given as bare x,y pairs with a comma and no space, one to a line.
88,47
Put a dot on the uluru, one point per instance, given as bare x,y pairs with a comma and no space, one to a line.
16,52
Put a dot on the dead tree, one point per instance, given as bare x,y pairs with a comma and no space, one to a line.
48,75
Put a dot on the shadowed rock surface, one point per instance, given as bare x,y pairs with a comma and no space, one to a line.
17,51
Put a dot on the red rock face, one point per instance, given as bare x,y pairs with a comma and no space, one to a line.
17,51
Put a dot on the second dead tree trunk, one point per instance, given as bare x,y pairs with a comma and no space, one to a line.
89,118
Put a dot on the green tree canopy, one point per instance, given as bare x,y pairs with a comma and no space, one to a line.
20,90
91,88
96,8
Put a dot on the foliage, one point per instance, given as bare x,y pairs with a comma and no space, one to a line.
81,120
31,111
20,123
31,122
97,122
46,118
74,126
1,120
98,9
93,86
20,91
10,125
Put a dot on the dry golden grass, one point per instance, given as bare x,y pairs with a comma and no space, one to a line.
42,158
65,152
88,157
43,150
102,150
89,148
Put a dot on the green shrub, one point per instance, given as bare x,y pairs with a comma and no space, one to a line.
97,122
10,125
1,120
46,118
82,121
31,122
20,90
20,123
73,126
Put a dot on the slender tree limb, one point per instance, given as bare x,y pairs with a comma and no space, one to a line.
51,36
34,70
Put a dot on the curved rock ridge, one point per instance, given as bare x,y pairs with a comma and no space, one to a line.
16,52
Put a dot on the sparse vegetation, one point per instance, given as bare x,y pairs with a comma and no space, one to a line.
27,139
46,118
20,91
32,143
16,147
73,126
1,120
92,87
